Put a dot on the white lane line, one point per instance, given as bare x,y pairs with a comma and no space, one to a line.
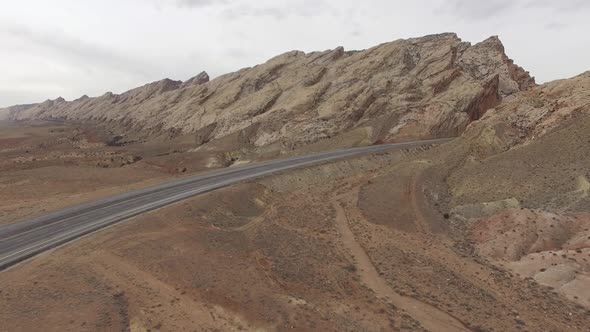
128,212
83,214
166,186
147,206
131,200
199,190
147,194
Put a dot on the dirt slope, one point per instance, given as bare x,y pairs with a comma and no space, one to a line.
516,186
294,252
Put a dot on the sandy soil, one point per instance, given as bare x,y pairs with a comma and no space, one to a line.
299,251
529,213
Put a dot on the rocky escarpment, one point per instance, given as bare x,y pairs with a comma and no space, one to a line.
432,86
527,116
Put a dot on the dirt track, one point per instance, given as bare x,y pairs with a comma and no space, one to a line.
430,317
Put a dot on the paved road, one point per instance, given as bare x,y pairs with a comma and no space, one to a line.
27,238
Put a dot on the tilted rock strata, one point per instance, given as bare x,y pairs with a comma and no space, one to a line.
526,116
432,86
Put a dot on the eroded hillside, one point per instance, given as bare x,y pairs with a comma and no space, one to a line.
431,86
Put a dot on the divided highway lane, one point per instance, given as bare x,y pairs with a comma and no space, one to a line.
27,238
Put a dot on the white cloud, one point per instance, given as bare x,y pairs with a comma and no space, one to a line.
477,10
280,10
72,50
199,3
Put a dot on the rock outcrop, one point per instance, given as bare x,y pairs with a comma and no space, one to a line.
432,86
201,78
529,115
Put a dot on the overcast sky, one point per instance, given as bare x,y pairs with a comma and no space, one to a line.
72,47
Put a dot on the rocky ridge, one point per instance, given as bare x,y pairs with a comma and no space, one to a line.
527,116
432,86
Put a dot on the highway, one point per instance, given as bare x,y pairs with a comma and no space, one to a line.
27,238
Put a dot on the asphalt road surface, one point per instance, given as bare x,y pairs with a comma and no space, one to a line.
27,238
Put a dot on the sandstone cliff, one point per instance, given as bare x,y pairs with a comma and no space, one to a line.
527,116
432,86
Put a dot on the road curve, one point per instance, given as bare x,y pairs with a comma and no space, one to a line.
27,238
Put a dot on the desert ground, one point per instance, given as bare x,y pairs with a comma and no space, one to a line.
49,165
395,241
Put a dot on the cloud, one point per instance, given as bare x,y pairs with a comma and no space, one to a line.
470,9
478,10
188,4
562,5
199,3
555,26
238,53
13,97
300,8
52,63
68,49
